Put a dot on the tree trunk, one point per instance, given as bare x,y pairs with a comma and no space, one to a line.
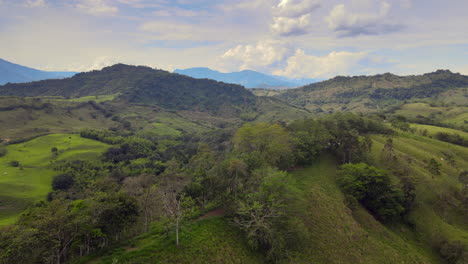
177,232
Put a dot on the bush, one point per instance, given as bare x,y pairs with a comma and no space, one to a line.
372,188
452,138
451,252
3,152
14,163
63,181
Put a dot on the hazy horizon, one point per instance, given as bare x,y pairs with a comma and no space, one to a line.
290,38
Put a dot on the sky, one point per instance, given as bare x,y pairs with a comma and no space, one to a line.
291,38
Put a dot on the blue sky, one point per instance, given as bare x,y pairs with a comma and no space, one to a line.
293,38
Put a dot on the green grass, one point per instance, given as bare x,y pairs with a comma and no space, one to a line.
435,213
339,235
455,114
96,98
21,186
432,130
162,129
211,240
62,117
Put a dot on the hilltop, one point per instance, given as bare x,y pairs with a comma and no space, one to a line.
372,93
144,85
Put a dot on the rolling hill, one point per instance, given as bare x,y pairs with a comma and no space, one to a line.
373,93
14,73
143,85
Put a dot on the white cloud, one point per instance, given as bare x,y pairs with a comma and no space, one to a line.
287,26
295,8
258,56
347,23
302,65
97,7
34,3
293,17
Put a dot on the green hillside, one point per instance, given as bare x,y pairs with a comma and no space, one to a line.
143,85
211,240
373,93
31,180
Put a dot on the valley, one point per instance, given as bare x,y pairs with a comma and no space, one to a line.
135,157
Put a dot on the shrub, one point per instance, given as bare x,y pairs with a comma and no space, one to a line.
63,181
372,188
3,152
14,163
451,252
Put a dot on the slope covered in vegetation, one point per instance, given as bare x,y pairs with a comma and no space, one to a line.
138,84
372,93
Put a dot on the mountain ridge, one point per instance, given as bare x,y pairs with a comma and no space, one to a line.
15,73
247,78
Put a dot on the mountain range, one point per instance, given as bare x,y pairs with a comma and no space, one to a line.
246,78
14,73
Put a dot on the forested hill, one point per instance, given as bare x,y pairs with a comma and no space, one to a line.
373,92
144,85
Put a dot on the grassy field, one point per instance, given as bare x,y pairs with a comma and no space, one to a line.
339,235
211,240
435,213
31,181
455,115
432,130
95,98
27,117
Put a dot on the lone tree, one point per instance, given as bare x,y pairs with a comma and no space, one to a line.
172,184
434,167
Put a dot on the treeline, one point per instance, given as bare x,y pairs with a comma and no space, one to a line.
136,185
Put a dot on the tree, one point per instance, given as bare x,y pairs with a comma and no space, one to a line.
269,142
463,177
262,212
173,182
144,189
372,188
434,167
63,181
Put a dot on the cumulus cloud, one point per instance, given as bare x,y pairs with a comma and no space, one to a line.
349,24
293,17
34,3
295,8
97,7
302,65
257,56
287,26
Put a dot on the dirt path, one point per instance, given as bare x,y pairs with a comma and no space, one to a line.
215,212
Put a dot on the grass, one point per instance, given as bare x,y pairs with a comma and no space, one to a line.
435,213
23,121
432,130
339,235
454,114
211,240
95,98
21,186
162,129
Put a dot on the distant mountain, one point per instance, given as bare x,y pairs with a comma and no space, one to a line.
364,93
144,85
14,73
246,78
